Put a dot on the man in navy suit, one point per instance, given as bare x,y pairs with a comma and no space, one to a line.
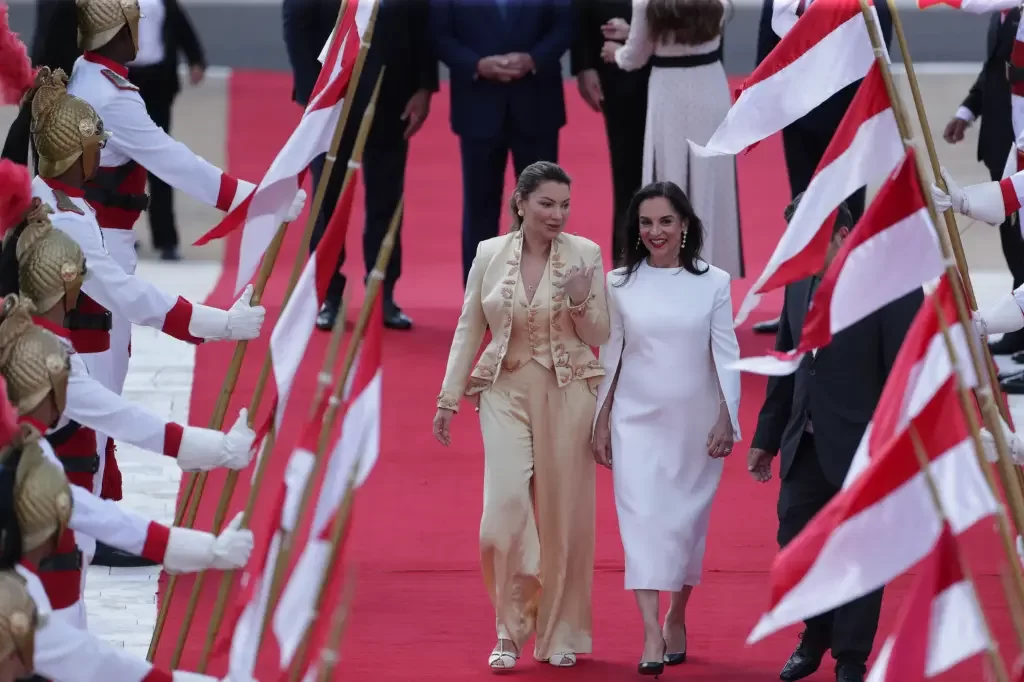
506,79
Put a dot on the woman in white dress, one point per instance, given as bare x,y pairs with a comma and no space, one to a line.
667,408
687,99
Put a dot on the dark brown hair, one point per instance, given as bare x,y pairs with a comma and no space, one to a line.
685,22
532,177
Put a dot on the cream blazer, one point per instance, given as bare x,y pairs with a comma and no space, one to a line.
490,296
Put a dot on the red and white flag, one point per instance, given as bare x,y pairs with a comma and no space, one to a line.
295,326
885,521
351,461
940,622
866,146
922,367
263,211
872,268
827,49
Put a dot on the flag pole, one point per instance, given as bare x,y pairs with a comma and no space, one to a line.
330,417
949,217
197,482
232,477
998,665
341,517
985,394
330,656
990,416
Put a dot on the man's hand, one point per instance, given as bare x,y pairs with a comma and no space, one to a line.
497,68
196,73
521,63
416,111
759,464
590,88
608,51
955,130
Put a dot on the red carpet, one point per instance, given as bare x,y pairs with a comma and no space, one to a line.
421,612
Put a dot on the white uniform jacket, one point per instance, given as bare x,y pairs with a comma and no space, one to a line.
106,282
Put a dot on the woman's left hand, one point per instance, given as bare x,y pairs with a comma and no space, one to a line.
720,440
615,29
608,51
578,281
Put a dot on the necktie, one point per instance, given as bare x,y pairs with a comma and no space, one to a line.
502,7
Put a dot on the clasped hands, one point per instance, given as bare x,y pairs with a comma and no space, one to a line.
505,67
615,32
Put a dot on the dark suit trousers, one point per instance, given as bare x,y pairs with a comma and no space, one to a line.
483,181
1009,236
849,631
803,148
384,160
158,89
625,119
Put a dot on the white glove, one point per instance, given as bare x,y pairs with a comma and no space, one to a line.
298,203
980,325
192,551
1012,441
241,322
205,449
955,199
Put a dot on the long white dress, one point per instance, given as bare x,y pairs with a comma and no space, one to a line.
689,104
672,334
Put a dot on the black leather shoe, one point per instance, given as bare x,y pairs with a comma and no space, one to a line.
326,317
1013,385
394,318
850,672
115,558
1003,376
803,662
767,327
1018,357
1008,345
170,254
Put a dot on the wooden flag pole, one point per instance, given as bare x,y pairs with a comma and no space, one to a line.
330,417
232,478
197,483
1016,506
950,218
990,413
331,654
998,665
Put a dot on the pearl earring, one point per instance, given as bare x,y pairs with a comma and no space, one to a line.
520,213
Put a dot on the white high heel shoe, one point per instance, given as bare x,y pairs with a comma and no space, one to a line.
563,659
504,656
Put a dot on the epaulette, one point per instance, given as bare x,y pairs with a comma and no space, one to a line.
119,81
64,203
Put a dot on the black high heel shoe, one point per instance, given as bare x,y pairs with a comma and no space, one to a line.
652,668
677,658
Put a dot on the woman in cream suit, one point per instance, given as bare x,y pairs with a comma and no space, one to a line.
541,293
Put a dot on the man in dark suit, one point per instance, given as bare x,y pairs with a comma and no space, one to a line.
989,99
401,43
804,141
506,80
164,33
815,418
621,96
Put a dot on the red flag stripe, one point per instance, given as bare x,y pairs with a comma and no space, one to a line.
333,241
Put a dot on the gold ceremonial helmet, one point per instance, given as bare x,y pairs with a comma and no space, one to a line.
100,20
42,494
64,128
32,360
19,619
51,266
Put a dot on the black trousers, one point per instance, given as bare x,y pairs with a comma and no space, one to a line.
483,181
159,87
625,119
803,147
1009,235
384,160
849,631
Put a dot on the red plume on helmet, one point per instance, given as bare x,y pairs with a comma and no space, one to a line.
15,194
16,72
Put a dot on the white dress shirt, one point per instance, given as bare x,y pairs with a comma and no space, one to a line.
151,33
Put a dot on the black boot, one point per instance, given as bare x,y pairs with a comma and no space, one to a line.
804,661
1008,345
115,558
394,318
767,327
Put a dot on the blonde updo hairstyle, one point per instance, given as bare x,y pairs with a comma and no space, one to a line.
532,177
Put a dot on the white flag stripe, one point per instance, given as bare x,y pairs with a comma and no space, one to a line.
875,151
929,375
957,633
859,557
841,58
296,608
245,640
884,268
291,334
